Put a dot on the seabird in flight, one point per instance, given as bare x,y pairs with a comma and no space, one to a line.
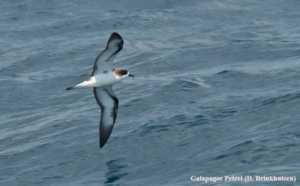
102,79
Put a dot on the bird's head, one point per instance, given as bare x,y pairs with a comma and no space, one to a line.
122,74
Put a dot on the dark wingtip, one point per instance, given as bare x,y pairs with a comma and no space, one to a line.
102,143
70,88
104,134
115,35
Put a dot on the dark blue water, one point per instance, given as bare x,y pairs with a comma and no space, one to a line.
216,92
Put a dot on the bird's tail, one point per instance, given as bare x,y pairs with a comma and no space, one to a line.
70,88
86,84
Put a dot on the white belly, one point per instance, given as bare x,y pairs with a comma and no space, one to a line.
99,80
106,79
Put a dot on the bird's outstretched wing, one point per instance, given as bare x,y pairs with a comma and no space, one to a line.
104,62
108,102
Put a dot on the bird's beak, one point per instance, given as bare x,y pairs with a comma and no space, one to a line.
131,75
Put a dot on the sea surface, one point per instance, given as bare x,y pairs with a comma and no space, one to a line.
216,92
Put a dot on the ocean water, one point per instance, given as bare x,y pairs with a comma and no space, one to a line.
216,92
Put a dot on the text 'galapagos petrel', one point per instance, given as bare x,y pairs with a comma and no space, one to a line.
102,79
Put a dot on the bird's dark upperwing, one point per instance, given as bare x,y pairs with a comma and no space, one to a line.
104,62
108,102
